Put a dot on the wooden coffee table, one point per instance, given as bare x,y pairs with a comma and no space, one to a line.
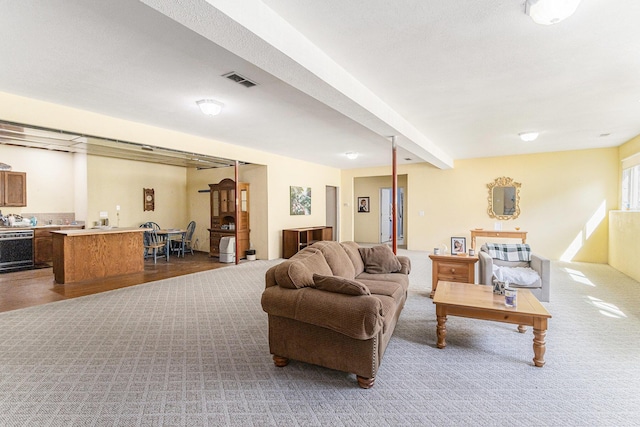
479,302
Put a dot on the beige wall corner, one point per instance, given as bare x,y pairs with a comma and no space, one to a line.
564,200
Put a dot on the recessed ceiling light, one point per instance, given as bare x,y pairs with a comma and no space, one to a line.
528,136
351,155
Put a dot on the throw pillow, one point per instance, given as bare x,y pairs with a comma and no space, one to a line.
339,285
379,259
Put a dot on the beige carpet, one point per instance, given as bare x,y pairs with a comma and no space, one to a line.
192,351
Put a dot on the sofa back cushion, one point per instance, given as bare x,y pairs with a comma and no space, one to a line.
351,248
337,258
339,285
297,272
379,259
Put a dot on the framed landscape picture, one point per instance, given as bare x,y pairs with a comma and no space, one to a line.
300,200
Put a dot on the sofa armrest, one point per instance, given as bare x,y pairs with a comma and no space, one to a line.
543,266
358,317
270,277
485,268
405,262
540,264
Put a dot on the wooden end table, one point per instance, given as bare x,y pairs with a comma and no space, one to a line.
479,302
452,268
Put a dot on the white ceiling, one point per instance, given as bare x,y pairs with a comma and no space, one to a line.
452,79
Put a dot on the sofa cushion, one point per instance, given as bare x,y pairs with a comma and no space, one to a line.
389,289
337,258
351,248
521,277
379,259
339,285
297,272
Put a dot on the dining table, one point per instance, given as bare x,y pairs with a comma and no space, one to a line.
168,233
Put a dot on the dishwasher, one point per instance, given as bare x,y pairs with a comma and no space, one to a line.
16,250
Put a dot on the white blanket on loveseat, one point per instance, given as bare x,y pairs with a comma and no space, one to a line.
523,276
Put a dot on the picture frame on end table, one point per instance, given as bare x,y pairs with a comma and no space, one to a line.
458,245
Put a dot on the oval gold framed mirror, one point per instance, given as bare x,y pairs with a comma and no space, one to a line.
504,198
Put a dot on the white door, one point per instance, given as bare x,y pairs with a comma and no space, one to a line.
332,209
386,219
386,215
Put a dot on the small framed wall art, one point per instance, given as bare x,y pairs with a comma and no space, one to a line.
363,204
149,199
300,200
458,245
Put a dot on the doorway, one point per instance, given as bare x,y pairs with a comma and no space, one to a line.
332,210
386,215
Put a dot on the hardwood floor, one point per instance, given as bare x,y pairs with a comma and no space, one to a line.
22,289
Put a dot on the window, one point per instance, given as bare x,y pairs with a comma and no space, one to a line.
631,188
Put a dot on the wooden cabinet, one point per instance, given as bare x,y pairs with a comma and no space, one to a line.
13,188
452,268
43,243
226,220
295,239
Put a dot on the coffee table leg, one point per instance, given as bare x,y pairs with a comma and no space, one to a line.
539,345
441,330
522,329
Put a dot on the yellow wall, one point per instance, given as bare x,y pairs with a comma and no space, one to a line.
269,189
630,148
200,207
624,226
286,173
624,242
113,182
564,199
367,225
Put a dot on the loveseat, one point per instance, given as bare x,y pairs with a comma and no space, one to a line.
336,305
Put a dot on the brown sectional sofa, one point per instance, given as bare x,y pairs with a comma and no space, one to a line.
336,305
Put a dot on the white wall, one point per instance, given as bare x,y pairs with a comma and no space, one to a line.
50,178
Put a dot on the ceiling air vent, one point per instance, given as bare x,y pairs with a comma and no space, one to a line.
239,79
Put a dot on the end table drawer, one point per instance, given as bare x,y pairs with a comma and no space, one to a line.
453,272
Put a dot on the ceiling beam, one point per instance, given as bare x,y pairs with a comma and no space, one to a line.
255,33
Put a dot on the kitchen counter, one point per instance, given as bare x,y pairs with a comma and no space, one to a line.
89,254
94,231
24,227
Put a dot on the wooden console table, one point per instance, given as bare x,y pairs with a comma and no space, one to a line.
452,268
295,239
500,234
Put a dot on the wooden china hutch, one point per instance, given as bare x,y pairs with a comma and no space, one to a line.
226,220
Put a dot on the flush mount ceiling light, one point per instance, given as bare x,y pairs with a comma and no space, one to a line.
210,107
351,155
549,12
528,136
